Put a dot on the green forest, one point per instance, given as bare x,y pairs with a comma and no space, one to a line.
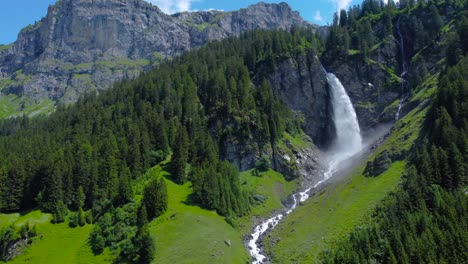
424,220
79,163
86,163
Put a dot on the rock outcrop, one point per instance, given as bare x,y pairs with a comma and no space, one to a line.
305,163
85,45
370,84
302,85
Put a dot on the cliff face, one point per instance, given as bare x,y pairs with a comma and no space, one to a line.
302,85
371,85
85,45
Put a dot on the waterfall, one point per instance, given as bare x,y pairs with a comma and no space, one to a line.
348,135
348,139
404,71
347,143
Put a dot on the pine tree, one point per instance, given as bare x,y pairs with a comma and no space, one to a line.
125,192
145,245
142,217
180,156
3,189
161,199
155,198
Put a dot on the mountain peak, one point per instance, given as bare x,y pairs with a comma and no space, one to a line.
88,32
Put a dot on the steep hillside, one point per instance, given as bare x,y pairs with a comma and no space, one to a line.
209,112
190,154
407,203
383,53
82,45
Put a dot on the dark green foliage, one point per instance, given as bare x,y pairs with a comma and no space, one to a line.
430,30
142,218
145,244
114,229
180,156
155,198
216,186
263,164
59,212
79,218
73,220
125,192
125,231
85,155
425,220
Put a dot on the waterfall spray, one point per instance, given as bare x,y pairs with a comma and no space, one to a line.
347,143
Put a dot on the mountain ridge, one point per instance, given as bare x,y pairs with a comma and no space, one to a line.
81,46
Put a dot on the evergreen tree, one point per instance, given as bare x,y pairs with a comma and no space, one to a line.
155,198
125,192
145,245
180,156
142,218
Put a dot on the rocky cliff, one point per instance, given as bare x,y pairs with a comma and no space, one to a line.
302,85
85,45
371,83
381,80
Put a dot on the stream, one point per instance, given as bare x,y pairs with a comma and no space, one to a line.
404,71
348,142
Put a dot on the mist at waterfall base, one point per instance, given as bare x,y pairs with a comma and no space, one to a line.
348,142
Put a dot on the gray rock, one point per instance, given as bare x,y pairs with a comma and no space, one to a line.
303,87
369,84
83,45
227,242
379,165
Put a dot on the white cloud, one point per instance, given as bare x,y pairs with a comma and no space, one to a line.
173,6
342,4
318,17
214,9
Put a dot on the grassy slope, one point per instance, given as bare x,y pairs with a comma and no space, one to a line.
56,243
185,229
189,234
11,105
343,205
181,231
271,185
329,215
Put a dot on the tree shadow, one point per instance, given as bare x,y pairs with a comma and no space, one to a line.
167,166
191,200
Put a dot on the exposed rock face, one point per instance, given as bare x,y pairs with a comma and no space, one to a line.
304,163
302,85
369,85
84,45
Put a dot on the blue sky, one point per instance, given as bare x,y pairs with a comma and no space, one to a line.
15,15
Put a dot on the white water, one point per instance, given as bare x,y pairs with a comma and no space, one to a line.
404,68
348,142
348,135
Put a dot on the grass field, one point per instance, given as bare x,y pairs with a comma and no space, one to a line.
185,228
270,185
189,234
186,233
329,215
55,243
